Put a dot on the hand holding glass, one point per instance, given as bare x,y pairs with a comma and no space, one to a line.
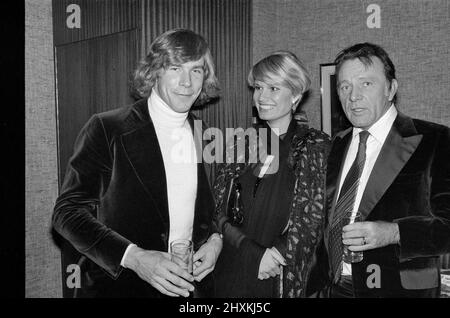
350,256
182,254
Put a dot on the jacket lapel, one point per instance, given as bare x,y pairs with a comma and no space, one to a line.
400,144
204,203
144,154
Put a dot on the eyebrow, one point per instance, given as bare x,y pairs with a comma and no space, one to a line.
269,83
359,78
367,77
181,64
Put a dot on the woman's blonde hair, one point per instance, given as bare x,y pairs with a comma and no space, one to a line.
285,65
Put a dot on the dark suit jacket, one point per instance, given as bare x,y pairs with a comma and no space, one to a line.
114,193
410,185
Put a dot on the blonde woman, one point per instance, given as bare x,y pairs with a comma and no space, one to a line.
268,250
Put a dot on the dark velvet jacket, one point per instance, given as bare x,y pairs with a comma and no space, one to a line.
409,185
114,193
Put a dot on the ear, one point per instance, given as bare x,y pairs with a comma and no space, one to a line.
393,91
296,100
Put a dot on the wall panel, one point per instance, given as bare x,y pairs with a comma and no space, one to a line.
97,18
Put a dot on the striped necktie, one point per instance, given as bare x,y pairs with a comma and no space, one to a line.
345,203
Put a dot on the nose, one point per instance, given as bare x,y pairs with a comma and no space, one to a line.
185,79
354,94
263,94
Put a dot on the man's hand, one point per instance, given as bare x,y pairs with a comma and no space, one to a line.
158,270
362,236
206,257
270,263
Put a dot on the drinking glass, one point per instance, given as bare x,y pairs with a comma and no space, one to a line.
182,253
350,256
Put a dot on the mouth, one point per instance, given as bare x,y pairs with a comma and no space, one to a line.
266,107
357,110
183,91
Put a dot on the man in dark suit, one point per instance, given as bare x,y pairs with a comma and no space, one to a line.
395,171
136,181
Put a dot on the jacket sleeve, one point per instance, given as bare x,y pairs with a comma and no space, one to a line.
429,234
86,179
280,244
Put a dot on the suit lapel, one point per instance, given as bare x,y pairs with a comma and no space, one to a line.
204,203
400,144
144,154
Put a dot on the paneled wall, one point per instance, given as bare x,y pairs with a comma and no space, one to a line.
43,261
93,76
96,18
415,33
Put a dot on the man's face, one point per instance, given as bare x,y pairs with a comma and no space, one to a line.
364,91
180,85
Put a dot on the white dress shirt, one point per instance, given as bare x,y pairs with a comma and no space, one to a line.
378,133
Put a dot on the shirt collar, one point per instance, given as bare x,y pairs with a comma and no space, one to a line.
380,129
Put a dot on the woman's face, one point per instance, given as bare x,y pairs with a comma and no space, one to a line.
274,102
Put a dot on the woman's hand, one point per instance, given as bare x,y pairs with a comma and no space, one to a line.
206,257
270,263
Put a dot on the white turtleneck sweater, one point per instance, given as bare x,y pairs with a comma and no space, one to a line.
180,164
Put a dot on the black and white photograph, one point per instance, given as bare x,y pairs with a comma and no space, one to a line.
237,151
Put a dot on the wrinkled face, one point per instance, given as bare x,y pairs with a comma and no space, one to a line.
274,102
180,85
364,92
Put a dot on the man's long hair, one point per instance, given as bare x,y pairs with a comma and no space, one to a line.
176,47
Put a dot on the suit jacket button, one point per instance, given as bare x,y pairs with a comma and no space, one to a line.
204,226
163,236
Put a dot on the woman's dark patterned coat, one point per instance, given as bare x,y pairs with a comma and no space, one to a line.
307,158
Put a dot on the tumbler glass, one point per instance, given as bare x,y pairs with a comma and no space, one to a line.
350,256
182,253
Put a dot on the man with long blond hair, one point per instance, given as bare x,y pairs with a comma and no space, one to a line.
125,196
